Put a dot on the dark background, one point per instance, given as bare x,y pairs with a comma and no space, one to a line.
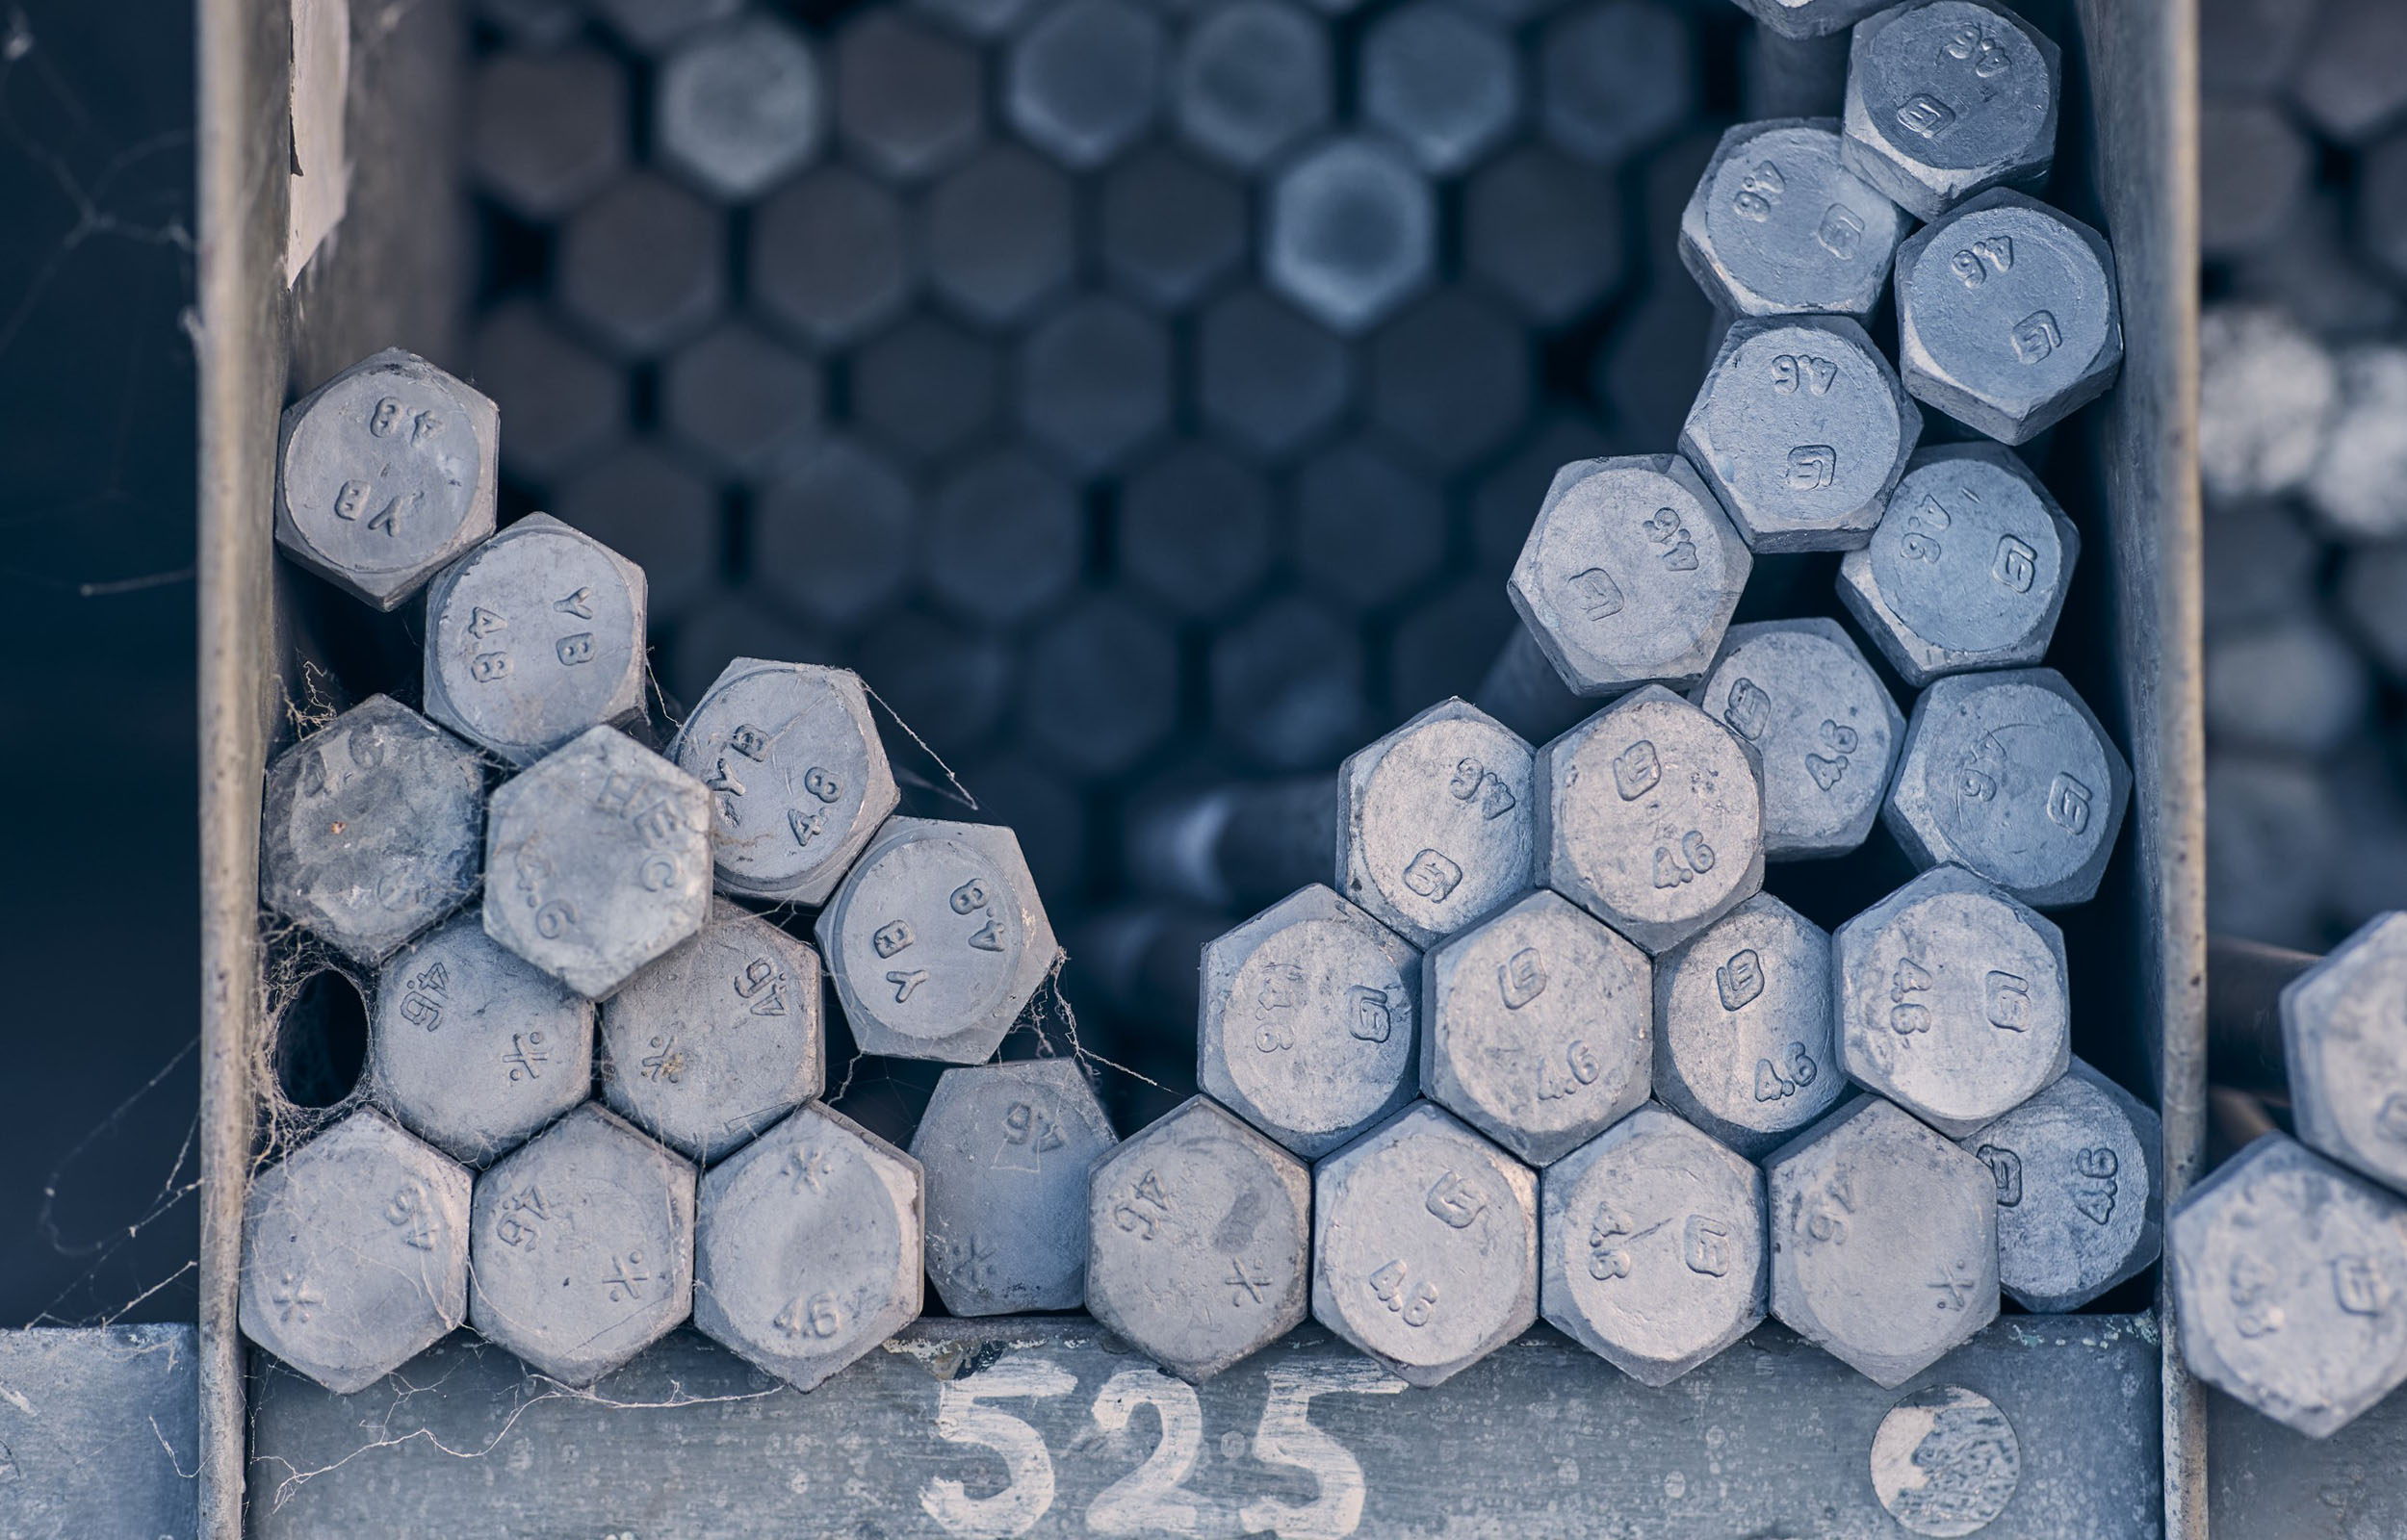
99,940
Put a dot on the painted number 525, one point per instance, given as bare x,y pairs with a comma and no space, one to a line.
1152,1498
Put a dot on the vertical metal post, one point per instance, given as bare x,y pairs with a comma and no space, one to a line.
2142,61
244,50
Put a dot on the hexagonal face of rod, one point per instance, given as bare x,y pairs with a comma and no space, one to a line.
1968,568
1884,1241
1808,18
1743,1043
2007,318
369,828
2290,1274
1251,79
1778,225
1629,575
738,107
1948,99
1538,1027
1442,81
936,941
1199,1228
2346,1048
1353,233
1424,1245
717,1039
1085,79
2010,776
1651,819
1953,1000
385,472
472,1048
1309,1012
1822,727
601,861
1007,1148
1434,821
1653,1253
356,1254
582,1247
797,776
532,637
2080,1190
809,1251
1802,429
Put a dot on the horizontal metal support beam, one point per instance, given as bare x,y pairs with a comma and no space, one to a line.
1024,1426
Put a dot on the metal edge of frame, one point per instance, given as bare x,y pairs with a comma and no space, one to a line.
2145,147
243,56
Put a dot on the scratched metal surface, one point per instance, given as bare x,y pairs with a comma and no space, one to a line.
1024,1426
2266,1482
98,1433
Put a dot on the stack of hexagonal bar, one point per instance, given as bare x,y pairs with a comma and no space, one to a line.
1591,910
800,1246
1533,939
2292,1271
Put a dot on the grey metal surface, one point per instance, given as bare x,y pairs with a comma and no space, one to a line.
600,860
908,99
936,941
1169,227
534,637
642,266
2292,1275
1778,224
1954,1000
2353,488
1802,429
98,1432
1538,1026
1251,79
2340,1046
473,1048
1968,567
2271,1482
1824,729
1085,79
547,129
797,775
1630,574
2081,1190
1424,1245
1353,232
1654,1247
2265,391
355,1253
1442,81
1744,1035
1193,1191
1435,822
1308,1437
2009,318
830,256
581,1248
384,474
1884,1241
738,108
1006,1148
808,1247
371,831
1310,1014
717,1039
2011,776
1948,99
1650,817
